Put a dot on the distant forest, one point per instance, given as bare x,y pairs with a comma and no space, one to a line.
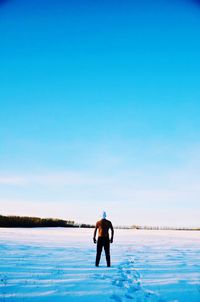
36,222
31,222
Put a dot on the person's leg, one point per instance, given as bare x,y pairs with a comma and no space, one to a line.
99,250
107,250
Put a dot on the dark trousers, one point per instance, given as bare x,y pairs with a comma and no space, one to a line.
103,242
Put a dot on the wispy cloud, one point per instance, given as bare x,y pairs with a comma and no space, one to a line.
134,193
53,179
13,180
137,187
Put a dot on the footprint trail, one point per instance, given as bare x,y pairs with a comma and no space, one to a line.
128,282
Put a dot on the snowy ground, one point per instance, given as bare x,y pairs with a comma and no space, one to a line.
58,265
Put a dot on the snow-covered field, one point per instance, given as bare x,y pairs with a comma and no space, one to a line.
58,265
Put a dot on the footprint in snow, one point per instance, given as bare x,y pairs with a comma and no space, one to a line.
128,280
116,298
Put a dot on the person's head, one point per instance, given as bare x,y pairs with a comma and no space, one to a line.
104,215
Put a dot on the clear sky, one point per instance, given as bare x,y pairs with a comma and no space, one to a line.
100,110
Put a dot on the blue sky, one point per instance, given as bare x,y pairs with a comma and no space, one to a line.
100,110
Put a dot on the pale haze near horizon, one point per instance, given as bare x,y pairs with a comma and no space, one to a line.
100,111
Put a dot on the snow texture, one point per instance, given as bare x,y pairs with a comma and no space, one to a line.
58,265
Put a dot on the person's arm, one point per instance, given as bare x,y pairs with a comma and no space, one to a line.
95,232
112,232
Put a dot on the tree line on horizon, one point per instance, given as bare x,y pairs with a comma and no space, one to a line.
31,222
165,228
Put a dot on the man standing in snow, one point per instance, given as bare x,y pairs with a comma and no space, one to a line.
103,227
